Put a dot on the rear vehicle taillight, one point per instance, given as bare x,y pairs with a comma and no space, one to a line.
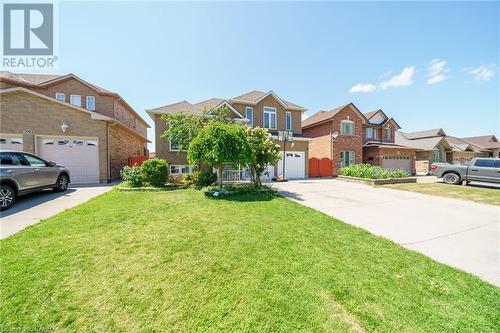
433,167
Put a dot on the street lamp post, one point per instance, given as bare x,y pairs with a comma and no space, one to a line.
284,136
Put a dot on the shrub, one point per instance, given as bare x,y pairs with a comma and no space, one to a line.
204,178
155,172
371,171
176,179
133,175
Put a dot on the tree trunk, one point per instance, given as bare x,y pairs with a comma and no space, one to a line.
221,170
257,180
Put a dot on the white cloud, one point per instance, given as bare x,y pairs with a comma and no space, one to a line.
436,71
363,87
403,79
482,73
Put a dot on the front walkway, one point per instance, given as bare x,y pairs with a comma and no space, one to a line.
458,233
31,208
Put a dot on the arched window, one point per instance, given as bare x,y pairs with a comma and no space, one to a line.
347,127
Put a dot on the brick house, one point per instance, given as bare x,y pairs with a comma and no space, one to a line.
435,146
256,109
362,138
62,118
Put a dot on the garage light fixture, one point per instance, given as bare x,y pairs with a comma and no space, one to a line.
335,135
64,127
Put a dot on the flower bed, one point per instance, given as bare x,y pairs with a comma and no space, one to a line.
369,171
383,181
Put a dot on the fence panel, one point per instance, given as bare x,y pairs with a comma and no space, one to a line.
132,160
314,167
325,167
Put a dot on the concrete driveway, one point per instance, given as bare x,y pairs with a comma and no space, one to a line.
32,208
459,233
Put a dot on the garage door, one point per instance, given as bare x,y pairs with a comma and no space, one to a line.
11,142
397,162
79,155
295,165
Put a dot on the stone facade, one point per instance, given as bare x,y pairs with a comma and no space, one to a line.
21,110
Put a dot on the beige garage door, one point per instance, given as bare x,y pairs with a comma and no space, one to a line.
79,155
397,162
11,142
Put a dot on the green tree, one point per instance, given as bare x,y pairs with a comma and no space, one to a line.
220,143
182,128
264,152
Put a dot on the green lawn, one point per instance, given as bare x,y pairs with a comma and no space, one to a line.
179,261
473,193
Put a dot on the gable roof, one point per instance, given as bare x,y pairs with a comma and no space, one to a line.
425,134
389,120
255,96
425,143
43,80
484,141
194,109
322,116
371,114
462,145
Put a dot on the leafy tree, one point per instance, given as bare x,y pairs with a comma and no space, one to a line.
220,143
182,128
264,152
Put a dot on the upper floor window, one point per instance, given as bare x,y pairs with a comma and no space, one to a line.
346,127
387,134
174,146
249,115
269,117
90,103
288,119
369,132
60,97
75,100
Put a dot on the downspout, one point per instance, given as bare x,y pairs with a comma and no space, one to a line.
330,139
108,163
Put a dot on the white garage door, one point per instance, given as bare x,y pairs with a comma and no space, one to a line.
295,165
397,162
79,155
11,142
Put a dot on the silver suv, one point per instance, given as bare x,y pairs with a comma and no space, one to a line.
22,173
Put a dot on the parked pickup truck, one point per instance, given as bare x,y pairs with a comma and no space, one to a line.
479,169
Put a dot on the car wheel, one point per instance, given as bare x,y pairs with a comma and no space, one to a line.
62,183
451,178
7,197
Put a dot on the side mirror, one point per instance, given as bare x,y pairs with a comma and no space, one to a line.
51,164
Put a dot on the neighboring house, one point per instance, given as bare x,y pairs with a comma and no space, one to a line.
256,109
486,142
62,118
435,146
367,138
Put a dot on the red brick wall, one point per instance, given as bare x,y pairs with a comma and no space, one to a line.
373,155
320,146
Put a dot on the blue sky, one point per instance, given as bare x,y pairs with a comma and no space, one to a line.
426,64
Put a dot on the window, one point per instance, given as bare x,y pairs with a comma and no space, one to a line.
16,141
3,140
182,169
346,158
47,142
63,142
11,159
174,146
387,134
91,143
288,119
34,161
369,133
75,100
269,117
249,116
60,97
78,142
485,162
90,103
437,156
346,127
